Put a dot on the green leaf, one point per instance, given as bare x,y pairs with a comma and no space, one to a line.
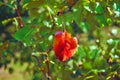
94,53
98,8
101,19
6,21
100,70
34,4
85,26
87,7
80,52
58,79
116,7
100,63
25,34
67,18
42,46
26,1
87,65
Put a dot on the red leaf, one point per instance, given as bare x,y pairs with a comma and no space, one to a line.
64,45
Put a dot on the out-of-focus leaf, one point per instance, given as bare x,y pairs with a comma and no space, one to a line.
114,31
45,33
87,65
110,41
98,70
87,7
67,18
115,67
80,52
43,46
94,53
77,11
4,46
1,3
58,79
101,19
98,8
25,34
85,26
102,63
4,22
50,10
34,4
116,7
89,77
26,1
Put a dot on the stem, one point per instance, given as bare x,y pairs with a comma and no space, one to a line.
46,61
48,69
18,13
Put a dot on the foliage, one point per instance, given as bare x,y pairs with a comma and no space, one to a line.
95,23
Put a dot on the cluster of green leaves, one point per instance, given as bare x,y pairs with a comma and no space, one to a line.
94,22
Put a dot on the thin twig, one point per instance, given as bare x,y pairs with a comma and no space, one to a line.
18,13
47,65
48,68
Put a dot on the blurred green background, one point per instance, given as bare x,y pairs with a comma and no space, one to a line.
24,52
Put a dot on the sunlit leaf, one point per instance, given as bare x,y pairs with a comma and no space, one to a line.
98,8
87,65
85,26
